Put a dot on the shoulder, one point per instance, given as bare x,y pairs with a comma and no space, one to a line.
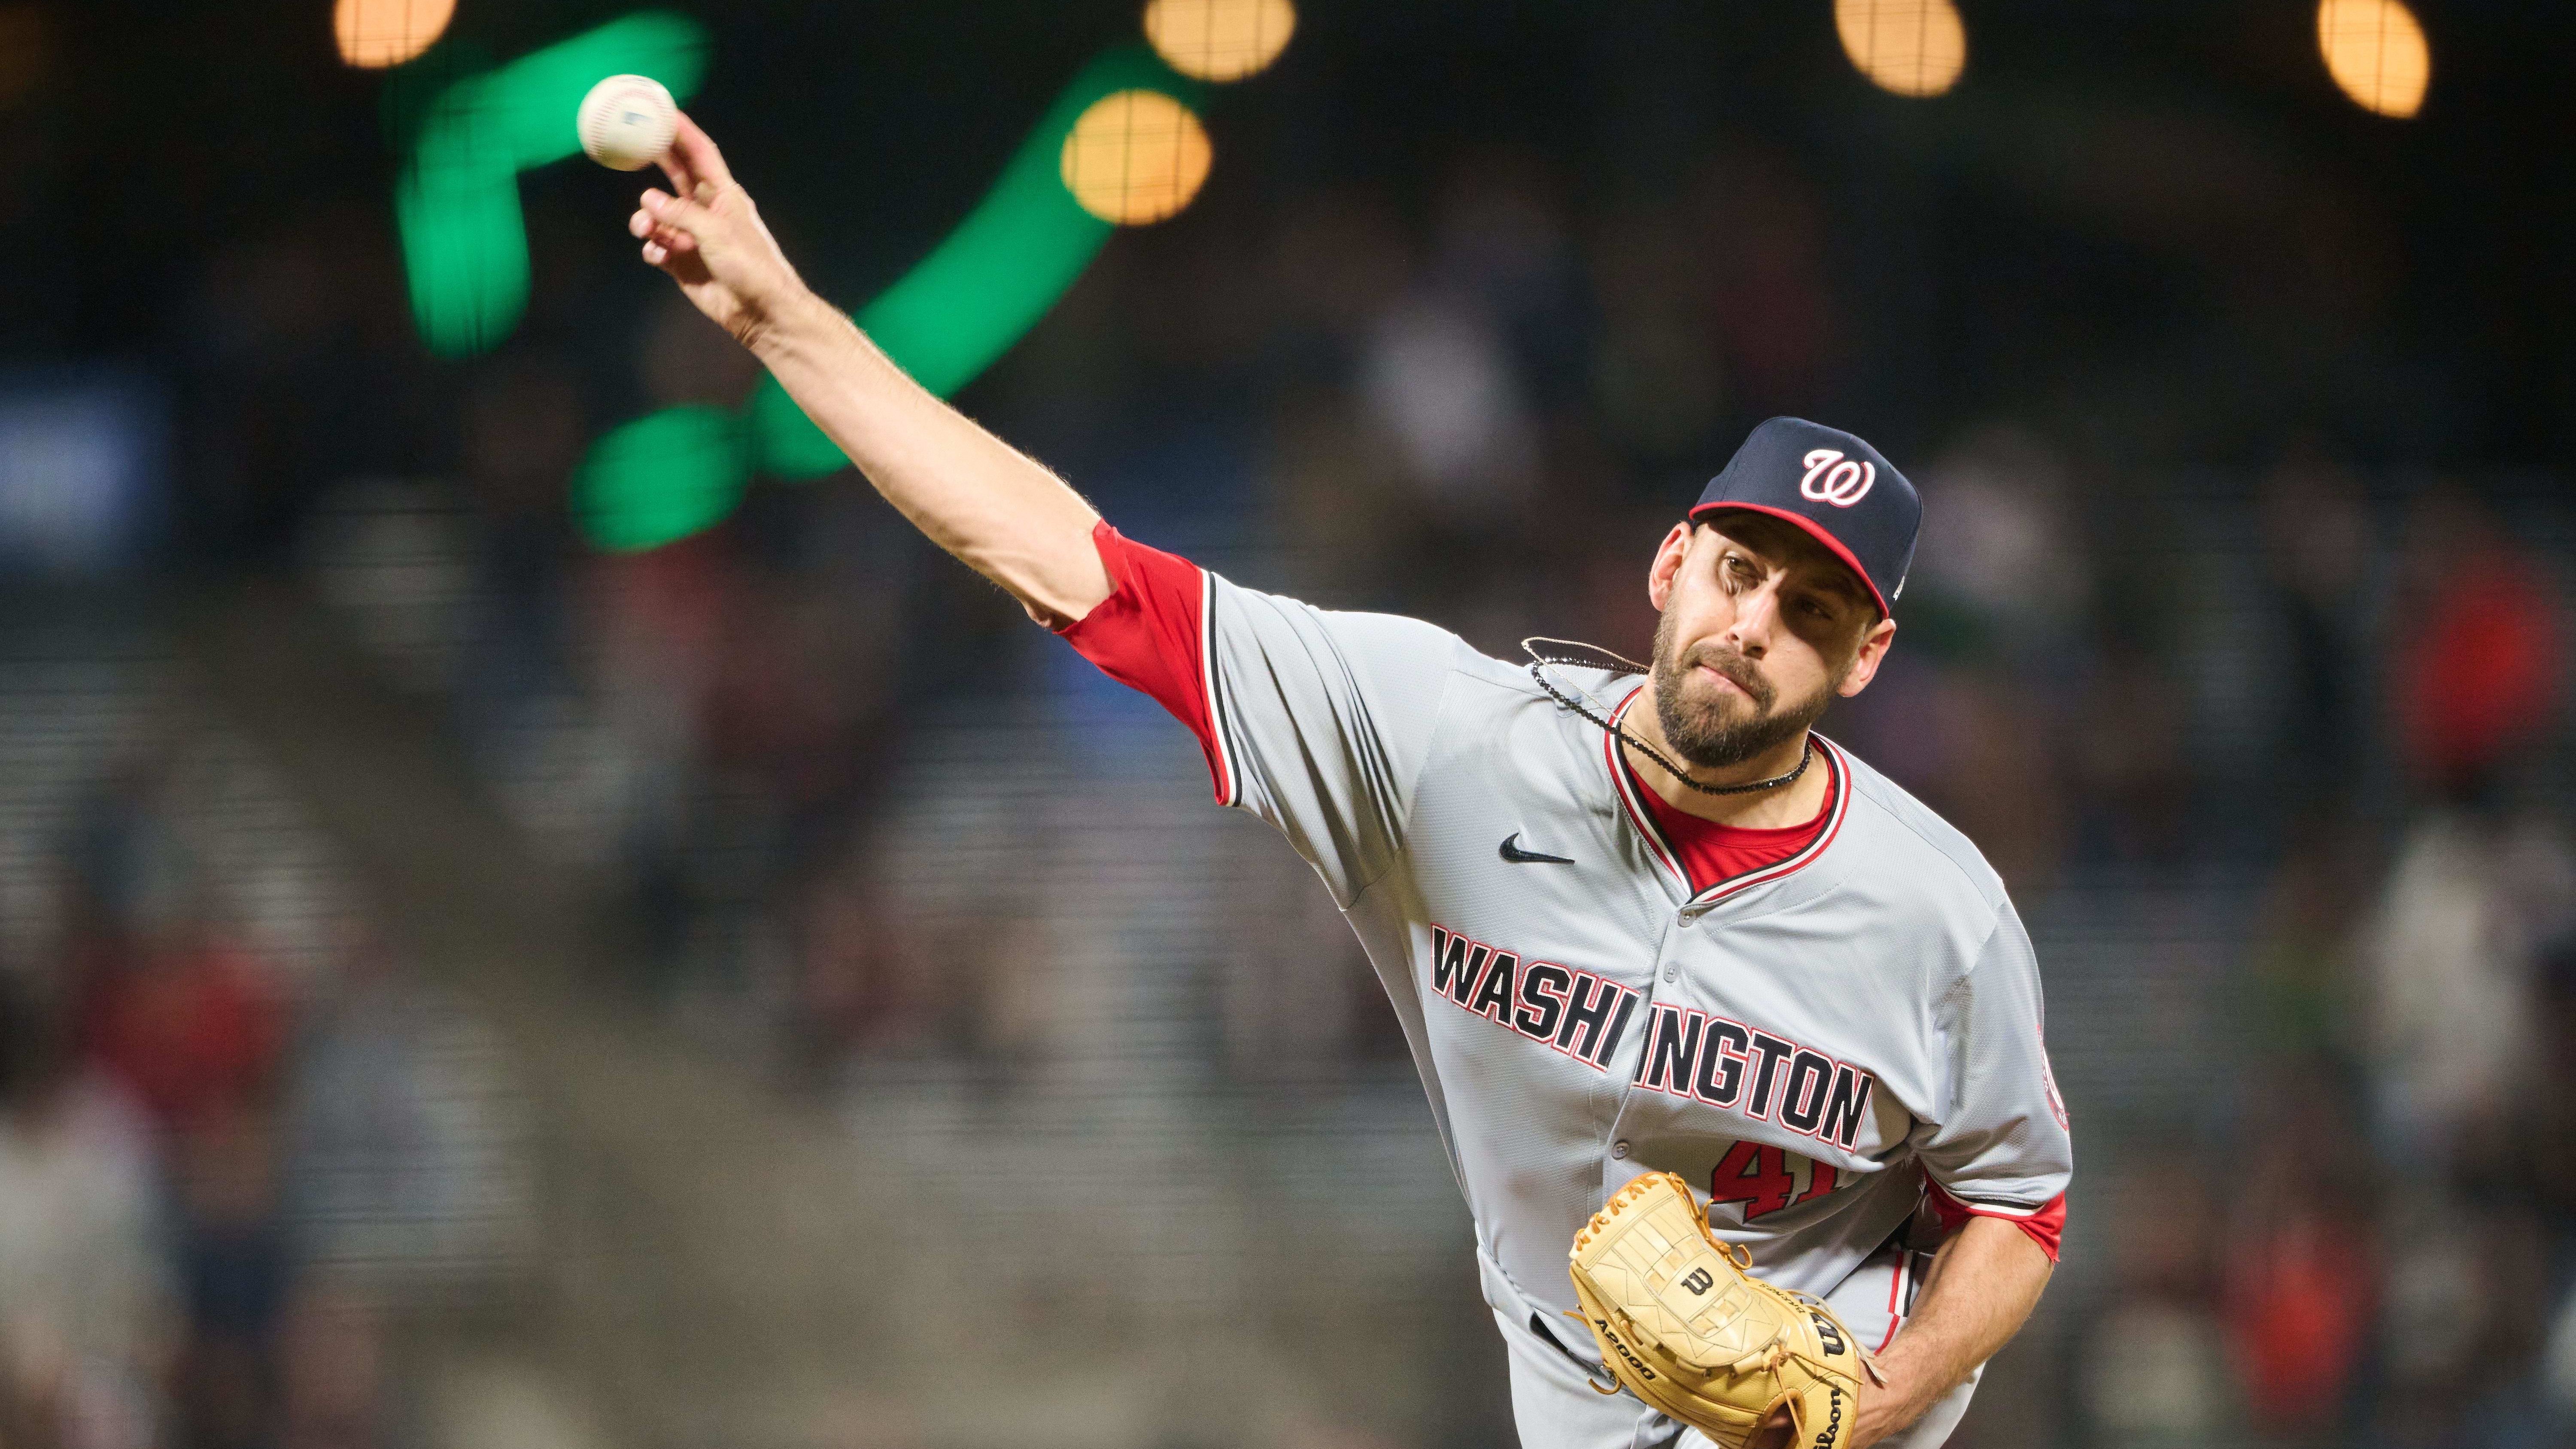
1381,646
1511,699
1930,853
1344,626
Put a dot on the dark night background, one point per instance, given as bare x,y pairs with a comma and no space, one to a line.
461,987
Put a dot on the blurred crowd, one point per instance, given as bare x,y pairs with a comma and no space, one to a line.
218,1176
2372,1241
2326,689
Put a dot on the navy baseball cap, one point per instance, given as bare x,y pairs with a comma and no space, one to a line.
1834,486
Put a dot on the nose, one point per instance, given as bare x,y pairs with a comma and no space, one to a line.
1757,613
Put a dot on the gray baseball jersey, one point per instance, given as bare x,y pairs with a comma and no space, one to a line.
1814,1045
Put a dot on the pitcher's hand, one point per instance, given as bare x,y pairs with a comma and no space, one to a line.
706,233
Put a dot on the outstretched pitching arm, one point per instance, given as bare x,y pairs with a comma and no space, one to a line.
982,500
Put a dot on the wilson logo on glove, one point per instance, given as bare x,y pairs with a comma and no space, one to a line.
1832,1433
1685,1328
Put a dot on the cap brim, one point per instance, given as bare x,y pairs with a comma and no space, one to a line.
1813,530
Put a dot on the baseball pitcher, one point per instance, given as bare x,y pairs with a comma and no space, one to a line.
1736,1048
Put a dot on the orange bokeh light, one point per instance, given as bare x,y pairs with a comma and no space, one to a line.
2376,51
1219,40
1135,157
1911,47
373,34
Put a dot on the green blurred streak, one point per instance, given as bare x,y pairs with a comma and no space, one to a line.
664,477
465,251
661,478
980,290
533,102
465,246
784,441
1017,252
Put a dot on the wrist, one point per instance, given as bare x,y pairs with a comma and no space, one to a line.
793,323
1882,1409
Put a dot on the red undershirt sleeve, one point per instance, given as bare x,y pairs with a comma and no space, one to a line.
1150,634
2044,1226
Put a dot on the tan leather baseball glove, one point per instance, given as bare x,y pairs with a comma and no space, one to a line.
1685,1328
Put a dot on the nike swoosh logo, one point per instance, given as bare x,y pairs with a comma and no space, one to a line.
1512,852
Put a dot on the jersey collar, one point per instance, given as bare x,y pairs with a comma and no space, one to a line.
1642,820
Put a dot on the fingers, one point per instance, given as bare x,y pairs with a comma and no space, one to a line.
667,255
667,221
674,214
670,223
693,163
697,154
675,167
644,227
660,246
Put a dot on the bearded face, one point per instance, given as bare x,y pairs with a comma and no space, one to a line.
1712,726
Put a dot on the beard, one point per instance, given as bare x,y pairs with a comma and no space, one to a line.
1711,727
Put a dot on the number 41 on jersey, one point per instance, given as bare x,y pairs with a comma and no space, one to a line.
1765,1179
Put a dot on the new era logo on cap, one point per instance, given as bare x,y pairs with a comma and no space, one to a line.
1836,487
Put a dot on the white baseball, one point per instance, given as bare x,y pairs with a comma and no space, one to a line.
627,122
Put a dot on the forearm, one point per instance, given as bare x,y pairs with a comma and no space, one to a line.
971,493
975,496
1984,1283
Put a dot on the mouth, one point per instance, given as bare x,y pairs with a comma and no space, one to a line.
1728,680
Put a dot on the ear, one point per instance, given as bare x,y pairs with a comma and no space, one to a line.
1668,562
1873,648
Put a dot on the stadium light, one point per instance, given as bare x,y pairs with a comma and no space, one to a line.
1910,47
373,34
2376,51
1135,157
1219,40
984,286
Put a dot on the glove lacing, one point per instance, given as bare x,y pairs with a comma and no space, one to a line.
1778,1352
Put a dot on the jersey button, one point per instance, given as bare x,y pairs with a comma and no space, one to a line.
1619,1148
1672,973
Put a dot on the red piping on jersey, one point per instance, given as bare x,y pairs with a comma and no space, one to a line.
1619,781
1225,791
1743,858
1895,1286
1839,804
